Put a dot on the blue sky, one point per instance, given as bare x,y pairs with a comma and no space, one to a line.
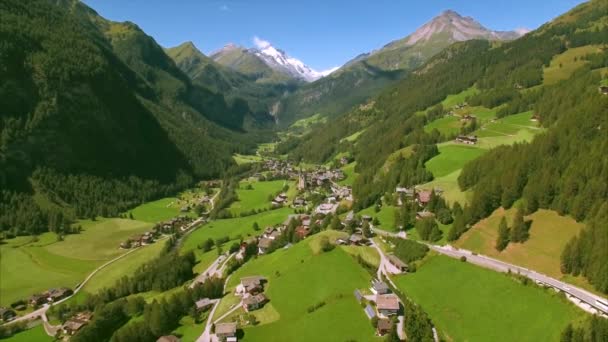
321,33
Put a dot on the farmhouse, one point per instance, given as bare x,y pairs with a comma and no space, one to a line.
226,331
7,315
203,304
423,197
379,287
251,285
424,214
168,338
38,299
357,239
384,327
326,208
75,323
58,294
387,304
251,303
397,262
343,160
299,202
302,232
263,245
603,90
408,192
467,139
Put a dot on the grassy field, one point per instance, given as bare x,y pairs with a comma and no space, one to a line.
108,276
235,227
549,233
257,197
452,157
297,279
245,159
452,100
36,334
349,172
353,137
392,158
30,267
446,125
386,216
509,126
468,303
449,185
564,65
156,211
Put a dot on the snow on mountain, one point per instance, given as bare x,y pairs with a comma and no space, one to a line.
279,60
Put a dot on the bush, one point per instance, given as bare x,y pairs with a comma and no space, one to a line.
463,258
326,246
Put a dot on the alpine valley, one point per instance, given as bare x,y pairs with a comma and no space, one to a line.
451,185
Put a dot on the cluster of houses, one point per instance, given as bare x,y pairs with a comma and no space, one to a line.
252,291
466,139
181,222
318,177
138,240
421,197
279,200
50,296
387,304
71,326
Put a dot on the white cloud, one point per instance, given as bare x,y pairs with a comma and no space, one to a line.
260,43
224,8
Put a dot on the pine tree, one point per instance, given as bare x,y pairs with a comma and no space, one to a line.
503,235
519,231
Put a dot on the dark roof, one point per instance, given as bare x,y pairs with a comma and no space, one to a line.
384,324
264,243
380,286
225,328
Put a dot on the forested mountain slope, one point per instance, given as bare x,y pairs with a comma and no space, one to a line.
235,86
102,114
563,169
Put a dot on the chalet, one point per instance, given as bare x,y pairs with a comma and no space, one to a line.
424,214
302,232
38,299
326,208
357,239
263,245
226,331
535,117
603,90
251,285
203,304
341,241
468,117
379,287
397,262
75,323
467,139
387,304
423,197
278,201
408,192
366,218
251,303
384,327
343,160
299,202
55,295
7,315
168,338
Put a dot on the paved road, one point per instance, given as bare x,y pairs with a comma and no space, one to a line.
378,231
500,266
206,336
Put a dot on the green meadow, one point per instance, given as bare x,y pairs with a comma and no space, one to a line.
349,172
30,266
452,157
257,196
564,65
245,159
469,303
156,211
298,279
36,334
386,216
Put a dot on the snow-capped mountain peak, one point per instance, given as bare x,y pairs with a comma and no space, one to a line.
279,60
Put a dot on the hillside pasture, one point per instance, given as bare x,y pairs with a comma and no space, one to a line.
299,279
451,190
156,211
29,267
257,197
469,303
386,216
549,233
452,157
246,159
349,172
565,64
